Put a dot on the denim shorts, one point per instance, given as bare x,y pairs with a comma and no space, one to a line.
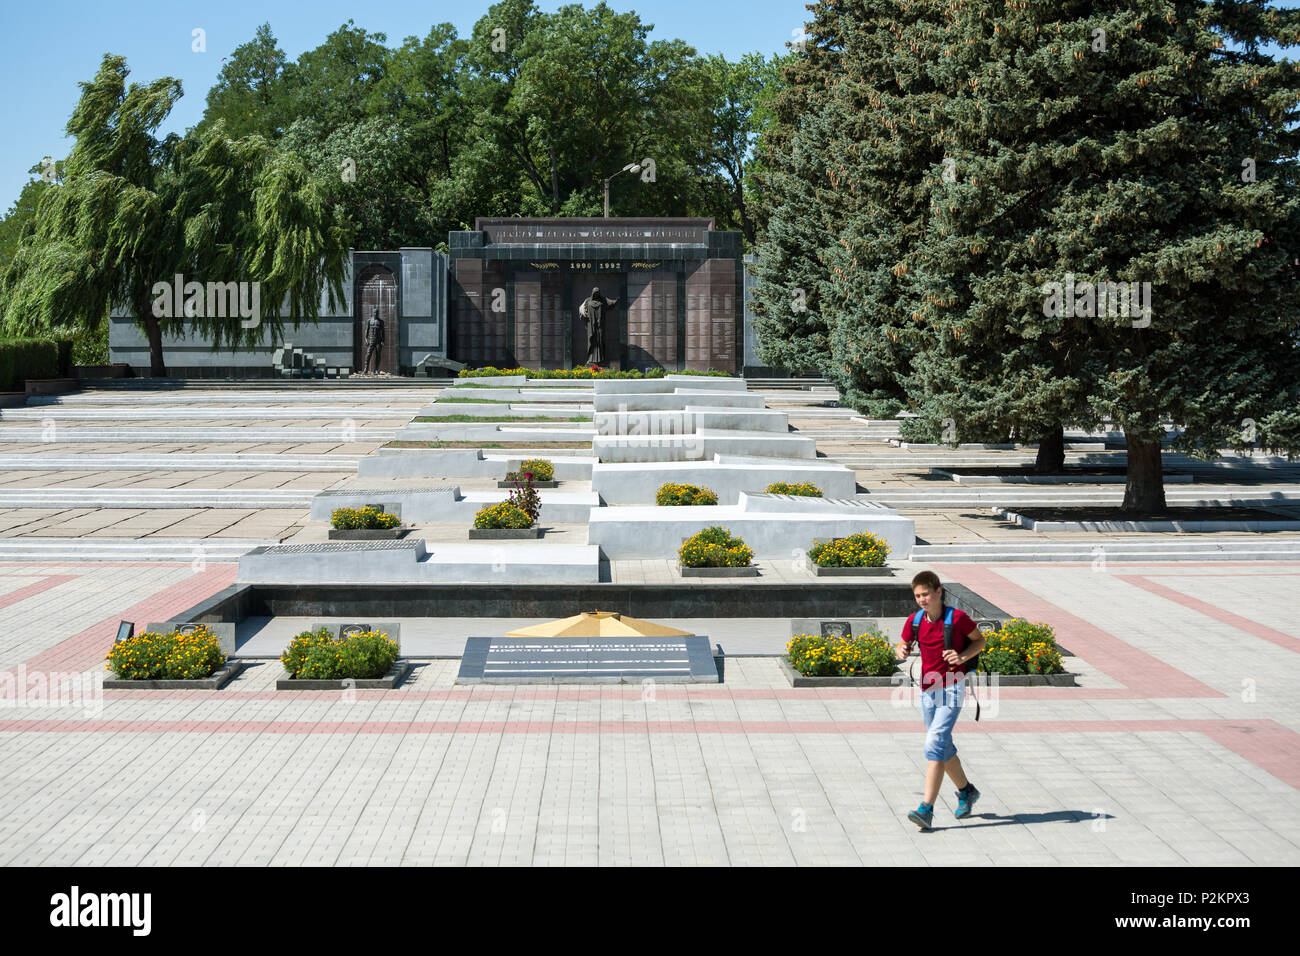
940,706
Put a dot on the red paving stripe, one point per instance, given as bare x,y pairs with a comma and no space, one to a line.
1144,674
1213,611
748,693
1267,745
31,590
1273,736
86,650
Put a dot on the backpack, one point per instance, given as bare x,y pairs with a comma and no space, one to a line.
969,666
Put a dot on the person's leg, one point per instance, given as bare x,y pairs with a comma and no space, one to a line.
939,748
955,773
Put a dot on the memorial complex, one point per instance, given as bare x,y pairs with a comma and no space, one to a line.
508,294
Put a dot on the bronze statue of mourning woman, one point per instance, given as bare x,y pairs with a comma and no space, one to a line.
595,310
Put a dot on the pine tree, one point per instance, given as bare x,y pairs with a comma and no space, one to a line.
1006,147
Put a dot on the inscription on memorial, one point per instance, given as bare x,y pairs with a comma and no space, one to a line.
511,660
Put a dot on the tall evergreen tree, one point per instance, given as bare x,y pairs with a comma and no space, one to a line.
1007,147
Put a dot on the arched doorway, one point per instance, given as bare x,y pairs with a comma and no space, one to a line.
376,288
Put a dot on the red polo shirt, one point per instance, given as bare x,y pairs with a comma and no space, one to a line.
934,669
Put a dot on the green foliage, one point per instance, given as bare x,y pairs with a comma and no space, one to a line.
867,655
315,655
502,515
671,494
172,656
134,211
714,547
804,488
362,519
933,167
23,359
861,550
295,655
525,497
1020,647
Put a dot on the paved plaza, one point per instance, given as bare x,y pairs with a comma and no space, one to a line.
1179,746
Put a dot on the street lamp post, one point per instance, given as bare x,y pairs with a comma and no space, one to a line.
629,168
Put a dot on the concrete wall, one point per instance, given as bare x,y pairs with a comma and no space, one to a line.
635,483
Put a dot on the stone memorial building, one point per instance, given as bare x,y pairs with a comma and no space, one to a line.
508,293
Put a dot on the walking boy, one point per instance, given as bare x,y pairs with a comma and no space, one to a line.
943,687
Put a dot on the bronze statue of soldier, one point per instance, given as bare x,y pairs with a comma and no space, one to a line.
374,338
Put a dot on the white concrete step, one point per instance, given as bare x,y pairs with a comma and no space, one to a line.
141,498
180,550
179,462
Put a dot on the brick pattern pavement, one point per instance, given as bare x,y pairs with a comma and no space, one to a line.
1170,763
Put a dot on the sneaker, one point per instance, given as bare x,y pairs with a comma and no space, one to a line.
966,800
922,816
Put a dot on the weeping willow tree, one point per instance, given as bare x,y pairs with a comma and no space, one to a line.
135,211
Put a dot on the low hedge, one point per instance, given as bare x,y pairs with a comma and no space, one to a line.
867,655
149,656
714,548
1021,647
315,655
672,494
861,550
362,519
23,359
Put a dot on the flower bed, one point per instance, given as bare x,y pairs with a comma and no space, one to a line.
540,468
714,548
170,661
867,655
859,552
672,494
804,488
368,518
507,519
537,472
314,660
1021,647
593,371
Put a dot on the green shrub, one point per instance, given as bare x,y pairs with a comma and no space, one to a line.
171,656
714,548
1021,647
805,488
867,655
672,494
362,519
315,655
23,359
295,655
861,550
502,515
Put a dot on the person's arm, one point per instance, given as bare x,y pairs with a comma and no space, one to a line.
905,649
974,644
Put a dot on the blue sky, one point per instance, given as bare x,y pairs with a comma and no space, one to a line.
47,47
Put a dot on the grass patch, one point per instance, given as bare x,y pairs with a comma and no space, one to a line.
475,401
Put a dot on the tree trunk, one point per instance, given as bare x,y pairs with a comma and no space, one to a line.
555,184
1144,491
1051,452
153,332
